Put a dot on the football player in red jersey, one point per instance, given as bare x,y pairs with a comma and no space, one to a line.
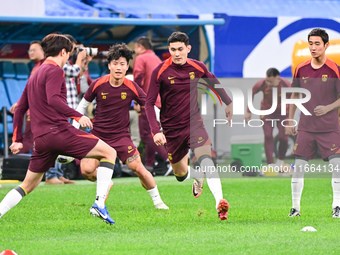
176,81
320,76
114,93
45,95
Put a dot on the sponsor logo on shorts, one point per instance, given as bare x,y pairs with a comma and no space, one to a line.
130,149
170,78
123,95
332,149
324,77
170,156
200,140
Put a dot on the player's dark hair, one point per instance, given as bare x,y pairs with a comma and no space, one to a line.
71,38
178,37
145,42
272,72
119,50
35,42
319,32
52,44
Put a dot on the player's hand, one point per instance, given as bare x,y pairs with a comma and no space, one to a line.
85,122
229,112
321,110
136,107
159,139
247,117
290,130
13,107
16,147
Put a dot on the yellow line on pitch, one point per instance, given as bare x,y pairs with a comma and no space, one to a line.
9,181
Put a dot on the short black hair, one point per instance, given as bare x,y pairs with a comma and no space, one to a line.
145,42
178,37
71,38
319,32
52,44
272,72
119,50
35,42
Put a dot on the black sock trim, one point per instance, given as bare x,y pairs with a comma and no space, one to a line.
203,157
21,191
181,178
106,164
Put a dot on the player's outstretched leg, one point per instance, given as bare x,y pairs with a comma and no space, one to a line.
148,182
13,197
213,179
107,156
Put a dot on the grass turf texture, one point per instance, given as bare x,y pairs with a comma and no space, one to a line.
56,220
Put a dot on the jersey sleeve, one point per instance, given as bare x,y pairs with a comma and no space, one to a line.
337,83
151,100
53,87
141,98
90,94
19,114
212,80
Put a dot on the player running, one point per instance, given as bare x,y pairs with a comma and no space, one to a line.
114,93
45,95
176,81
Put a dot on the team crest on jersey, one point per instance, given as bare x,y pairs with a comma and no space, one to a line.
104,95
324,77
123,95
192,75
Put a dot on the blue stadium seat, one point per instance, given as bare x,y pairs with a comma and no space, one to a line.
22,71
94,70
7,69
5,102
14,89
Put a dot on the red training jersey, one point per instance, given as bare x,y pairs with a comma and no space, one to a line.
177,86
113,105
324,85
45,96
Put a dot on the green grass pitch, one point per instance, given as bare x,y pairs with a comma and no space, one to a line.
56,219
